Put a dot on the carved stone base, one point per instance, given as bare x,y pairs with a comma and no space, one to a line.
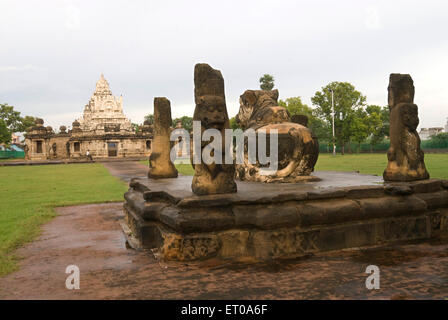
290,220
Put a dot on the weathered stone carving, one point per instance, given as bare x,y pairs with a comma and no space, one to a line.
160,165
300,119
211,110
298,148
406,159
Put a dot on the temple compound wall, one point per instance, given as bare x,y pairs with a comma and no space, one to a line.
103,131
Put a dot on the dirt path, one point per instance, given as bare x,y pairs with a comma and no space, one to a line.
90,237
126,170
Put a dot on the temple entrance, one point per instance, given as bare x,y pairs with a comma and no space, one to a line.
112,149
38,146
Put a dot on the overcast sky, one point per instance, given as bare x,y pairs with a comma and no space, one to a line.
53,52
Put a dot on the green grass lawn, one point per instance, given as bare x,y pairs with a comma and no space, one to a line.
28,195
436,164
375,163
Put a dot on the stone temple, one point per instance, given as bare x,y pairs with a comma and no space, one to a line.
103,131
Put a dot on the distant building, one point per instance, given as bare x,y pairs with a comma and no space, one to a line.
427,133
103,131
15,139
446,126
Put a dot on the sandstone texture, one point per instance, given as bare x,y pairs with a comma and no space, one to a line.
405,157
211,111
160,165
298,148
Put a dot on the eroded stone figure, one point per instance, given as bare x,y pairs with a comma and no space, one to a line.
160,165
298,148
211,111
405,157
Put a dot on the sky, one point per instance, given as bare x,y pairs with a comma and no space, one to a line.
53,52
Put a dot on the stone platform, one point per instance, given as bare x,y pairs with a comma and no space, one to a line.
265,221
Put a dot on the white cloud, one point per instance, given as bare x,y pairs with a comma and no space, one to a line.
56,50
27,67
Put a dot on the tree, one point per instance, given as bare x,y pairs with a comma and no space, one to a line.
378,124
135,127
295,105
150,118
359,127
320,128
439,140
5,134
11,121
267,82
27,123
187,122
233,124
11,118
346,101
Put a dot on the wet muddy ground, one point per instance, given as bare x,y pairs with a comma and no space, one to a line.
90,237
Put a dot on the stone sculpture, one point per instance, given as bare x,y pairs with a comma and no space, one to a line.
160,165
211,111
406,159
298,148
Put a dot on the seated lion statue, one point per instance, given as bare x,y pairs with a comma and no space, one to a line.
298,148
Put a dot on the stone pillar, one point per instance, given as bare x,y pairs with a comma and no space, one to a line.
406,159
211,111
160,165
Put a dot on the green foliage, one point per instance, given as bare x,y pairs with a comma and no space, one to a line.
295,105
11,121
11,118
267,82
347,100
233,124
378,121
5,134
359,127
27,123
135,127
436,141
29,194
150,118
321,129
187,122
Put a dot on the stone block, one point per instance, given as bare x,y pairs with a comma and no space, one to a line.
435,200
312,213
431,185
375,208
327,193
266,216
398,190
147,233
234,243
365,192
197,220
